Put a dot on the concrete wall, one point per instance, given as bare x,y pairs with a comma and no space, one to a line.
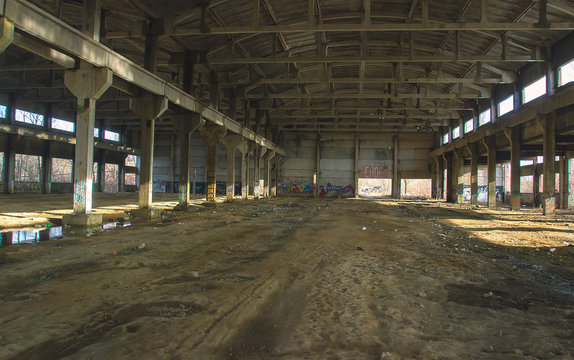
337,154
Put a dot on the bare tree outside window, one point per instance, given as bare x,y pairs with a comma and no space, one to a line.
61,170
111,178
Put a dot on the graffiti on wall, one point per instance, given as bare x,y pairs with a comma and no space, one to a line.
298,188
375,172
336,190
328,190
375,188
482,195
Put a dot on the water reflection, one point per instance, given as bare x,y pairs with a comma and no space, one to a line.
20,237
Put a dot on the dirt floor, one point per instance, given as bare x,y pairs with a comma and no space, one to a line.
290,278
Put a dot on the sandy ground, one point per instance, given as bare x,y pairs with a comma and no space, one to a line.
296,279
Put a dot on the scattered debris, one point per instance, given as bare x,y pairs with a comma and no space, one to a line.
552,250
488,294
422,294
364,228
359,248
141,246
193,274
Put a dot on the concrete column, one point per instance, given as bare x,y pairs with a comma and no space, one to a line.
396,180
451,193
275,172
10,164
122,173
231,142
151,52
356,169
439,178
213,134
92,19
188,73
513,135
148,108
246,147
536,183
267,175
317,176
563,165
566,193
435,181
46,176
87,84
101,174
256,172
186,124
457,165
213,90
549,152
490,143
473,149
194,183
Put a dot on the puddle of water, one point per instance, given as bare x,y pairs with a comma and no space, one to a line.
20,237
51,232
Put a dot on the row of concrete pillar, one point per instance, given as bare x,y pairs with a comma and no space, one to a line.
88,84
454,159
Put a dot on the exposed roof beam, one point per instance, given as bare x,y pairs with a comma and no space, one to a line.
372,27
367,108
370,80
371,59
363,96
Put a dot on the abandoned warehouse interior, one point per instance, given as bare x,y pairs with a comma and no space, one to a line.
261,179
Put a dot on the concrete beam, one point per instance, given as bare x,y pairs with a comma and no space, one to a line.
6,33
40,25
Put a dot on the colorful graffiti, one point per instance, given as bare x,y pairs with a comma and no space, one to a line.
299,188
336,190
328,190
